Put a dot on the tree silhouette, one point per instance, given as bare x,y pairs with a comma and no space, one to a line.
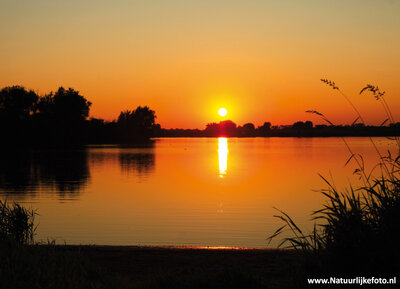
45,106
16,108
61,116
265,129
223,128
64,105
302,125
249,129
70,106
212,129
138,124
227,128
17,103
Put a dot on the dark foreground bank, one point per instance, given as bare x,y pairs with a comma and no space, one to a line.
50,266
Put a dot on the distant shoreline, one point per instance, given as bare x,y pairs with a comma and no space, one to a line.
279,136
165,247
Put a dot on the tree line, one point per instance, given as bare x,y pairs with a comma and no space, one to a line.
62,118
228,128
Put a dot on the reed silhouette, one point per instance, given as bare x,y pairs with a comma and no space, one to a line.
16,224
355,232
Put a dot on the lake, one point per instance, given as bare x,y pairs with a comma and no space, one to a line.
178,191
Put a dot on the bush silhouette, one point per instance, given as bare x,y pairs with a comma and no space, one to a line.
136,124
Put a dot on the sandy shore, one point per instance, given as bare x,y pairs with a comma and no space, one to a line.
193,267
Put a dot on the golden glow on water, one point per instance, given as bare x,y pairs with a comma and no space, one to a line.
171,194
222,156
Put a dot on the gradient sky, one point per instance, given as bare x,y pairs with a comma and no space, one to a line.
262,60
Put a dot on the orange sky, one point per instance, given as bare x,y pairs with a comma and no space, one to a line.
262,60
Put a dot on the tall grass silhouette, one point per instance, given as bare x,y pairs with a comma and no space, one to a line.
26,264
16,224
356,230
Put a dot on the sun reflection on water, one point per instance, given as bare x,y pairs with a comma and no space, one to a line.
222,155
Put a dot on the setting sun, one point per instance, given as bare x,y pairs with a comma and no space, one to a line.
222,111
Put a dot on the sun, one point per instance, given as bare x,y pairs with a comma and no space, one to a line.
222,111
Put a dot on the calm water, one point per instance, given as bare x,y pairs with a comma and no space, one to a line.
179,191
